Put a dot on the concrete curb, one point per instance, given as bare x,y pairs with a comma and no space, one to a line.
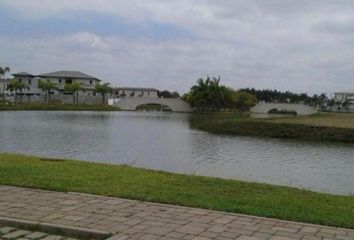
68,231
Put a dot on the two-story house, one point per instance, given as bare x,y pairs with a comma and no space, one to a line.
60,78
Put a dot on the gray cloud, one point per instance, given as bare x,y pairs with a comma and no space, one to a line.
303,45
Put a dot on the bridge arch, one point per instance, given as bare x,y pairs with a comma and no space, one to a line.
288,111
131,103
300,109
153,107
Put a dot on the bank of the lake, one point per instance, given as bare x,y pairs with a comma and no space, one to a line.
319,127
56,107
187,190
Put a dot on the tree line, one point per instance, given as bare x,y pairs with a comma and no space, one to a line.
209,95
320,101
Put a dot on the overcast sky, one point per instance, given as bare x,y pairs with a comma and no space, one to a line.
297,45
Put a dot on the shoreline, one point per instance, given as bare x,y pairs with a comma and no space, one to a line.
235,196
297,128
57,107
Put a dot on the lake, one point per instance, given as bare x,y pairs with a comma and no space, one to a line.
164,141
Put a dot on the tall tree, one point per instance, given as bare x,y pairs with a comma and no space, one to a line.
3,71
210,95
242,100
103,89
15,85
46,86
73,88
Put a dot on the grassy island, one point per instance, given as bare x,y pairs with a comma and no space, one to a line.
338,127
195,191
56,107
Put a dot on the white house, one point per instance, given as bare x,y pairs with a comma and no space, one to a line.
135,92
87,93
60,78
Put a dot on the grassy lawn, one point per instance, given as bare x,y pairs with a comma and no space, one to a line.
318,127
338,120
56,107
195,191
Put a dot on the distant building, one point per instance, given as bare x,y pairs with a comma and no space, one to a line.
86,95
3,87
31,81
135,92
60,78
346,95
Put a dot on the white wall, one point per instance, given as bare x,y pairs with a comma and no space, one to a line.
67,99
32,84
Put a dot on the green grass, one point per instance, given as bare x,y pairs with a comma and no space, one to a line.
56,107
338,120
195,191
319,127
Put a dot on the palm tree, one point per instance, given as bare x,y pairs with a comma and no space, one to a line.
210,95
73,88
46,86
346,104
207,95
103,89
199,94
15,85
3,71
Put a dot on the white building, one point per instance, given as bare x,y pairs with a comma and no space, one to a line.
31,81
86,95
135,92
344,96
3,87
60,78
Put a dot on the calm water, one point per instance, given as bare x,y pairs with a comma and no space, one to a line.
164,141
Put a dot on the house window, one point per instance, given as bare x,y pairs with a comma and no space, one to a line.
91,82
29,81
69,81
20,80
59,80
148,93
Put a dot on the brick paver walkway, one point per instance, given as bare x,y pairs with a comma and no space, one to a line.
144,220
11,233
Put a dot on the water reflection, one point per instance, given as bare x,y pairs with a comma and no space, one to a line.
164,141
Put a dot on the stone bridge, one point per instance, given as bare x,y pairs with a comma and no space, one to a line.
300,109
131,103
